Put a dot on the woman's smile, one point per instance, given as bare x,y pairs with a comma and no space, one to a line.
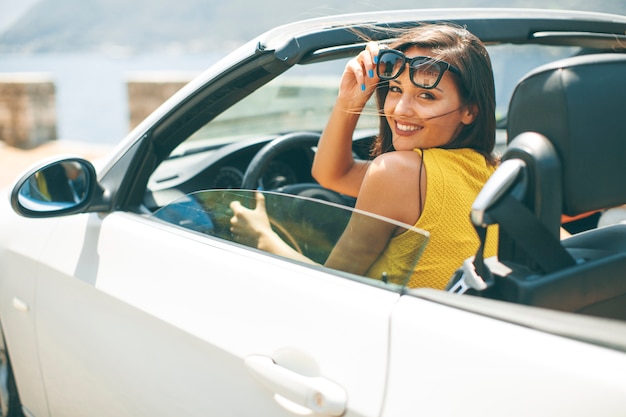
405,128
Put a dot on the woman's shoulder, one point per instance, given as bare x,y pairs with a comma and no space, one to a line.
398,160
391,186
395,169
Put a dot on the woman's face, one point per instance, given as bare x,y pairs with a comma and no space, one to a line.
424,118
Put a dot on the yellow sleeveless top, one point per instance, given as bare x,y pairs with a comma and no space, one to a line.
454,178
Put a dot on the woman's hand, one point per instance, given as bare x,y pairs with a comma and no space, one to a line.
251,227
359,78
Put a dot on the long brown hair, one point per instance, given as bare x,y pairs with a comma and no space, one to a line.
475,82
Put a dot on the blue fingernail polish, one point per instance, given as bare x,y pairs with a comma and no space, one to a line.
371,73
376,59
363,87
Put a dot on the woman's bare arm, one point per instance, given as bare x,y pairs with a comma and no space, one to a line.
334,166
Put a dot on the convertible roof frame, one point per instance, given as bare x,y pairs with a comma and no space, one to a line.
300,41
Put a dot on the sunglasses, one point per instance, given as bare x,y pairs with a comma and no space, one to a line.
424,71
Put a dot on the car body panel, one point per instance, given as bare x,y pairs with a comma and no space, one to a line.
18,303
210,322
460,361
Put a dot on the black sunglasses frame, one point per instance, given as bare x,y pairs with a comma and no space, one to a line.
442,65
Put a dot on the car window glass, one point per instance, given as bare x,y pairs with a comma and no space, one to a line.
311,227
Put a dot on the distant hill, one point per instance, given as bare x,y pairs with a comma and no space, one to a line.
131,26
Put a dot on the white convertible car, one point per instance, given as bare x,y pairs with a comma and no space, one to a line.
122,292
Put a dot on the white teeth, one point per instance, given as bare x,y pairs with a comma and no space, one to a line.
407,128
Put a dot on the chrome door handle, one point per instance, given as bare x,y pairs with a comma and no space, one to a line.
20,305
318,394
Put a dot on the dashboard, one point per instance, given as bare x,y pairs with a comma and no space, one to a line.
224,167
289,168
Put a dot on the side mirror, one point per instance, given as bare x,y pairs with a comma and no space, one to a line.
58,188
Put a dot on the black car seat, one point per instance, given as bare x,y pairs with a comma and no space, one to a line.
566,155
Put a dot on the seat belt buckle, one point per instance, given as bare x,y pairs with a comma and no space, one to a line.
469,279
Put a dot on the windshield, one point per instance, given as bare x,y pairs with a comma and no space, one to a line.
303,97
300,99
311,227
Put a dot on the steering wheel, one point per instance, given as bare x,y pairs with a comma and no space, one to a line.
289,141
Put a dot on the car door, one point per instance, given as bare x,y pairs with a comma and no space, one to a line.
472,356
146,318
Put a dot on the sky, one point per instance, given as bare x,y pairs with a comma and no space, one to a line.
11,10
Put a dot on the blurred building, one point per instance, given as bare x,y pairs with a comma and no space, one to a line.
27,109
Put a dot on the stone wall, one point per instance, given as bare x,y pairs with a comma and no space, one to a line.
28,103
147,91
27,109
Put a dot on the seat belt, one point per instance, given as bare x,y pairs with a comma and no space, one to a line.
527,231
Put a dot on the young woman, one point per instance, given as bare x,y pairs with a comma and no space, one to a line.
435,92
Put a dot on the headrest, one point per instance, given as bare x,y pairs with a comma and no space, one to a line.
579,104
